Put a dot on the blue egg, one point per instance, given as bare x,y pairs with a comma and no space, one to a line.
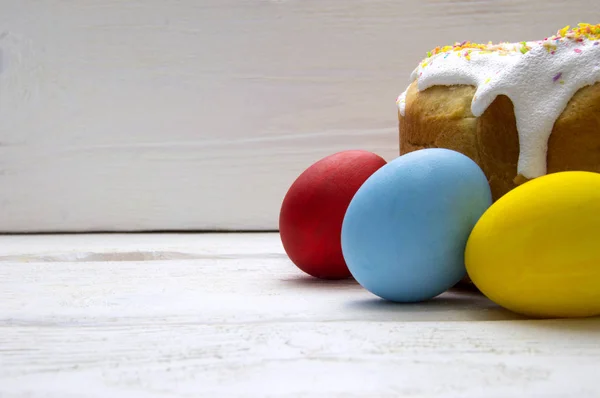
405,231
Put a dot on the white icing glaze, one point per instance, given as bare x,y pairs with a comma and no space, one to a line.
401,101
540,83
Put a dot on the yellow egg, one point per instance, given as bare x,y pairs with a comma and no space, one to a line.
536,251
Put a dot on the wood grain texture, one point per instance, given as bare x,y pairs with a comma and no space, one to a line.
227,315
189,114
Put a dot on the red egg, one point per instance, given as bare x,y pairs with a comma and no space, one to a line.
310,221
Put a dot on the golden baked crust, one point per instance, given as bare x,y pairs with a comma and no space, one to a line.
440,117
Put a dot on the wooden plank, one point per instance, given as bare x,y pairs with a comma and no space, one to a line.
228,315
191,114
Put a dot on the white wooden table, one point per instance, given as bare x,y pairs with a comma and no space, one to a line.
227,315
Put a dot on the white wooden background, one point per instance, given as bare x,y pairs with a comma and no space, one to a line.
228,315
198,114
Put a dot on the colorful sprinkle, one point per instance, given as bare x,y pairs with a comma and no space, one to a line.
578,34
524,48
564,31
549,46
558,76
488,80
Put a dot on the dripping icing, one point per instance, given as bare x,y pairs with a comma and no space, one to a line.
540,77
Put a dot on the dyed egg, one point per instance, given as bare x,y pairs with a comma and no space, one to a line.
536,250
310,221
405,231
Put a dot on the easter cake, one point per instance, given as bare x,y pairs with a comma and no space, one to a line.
519,110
